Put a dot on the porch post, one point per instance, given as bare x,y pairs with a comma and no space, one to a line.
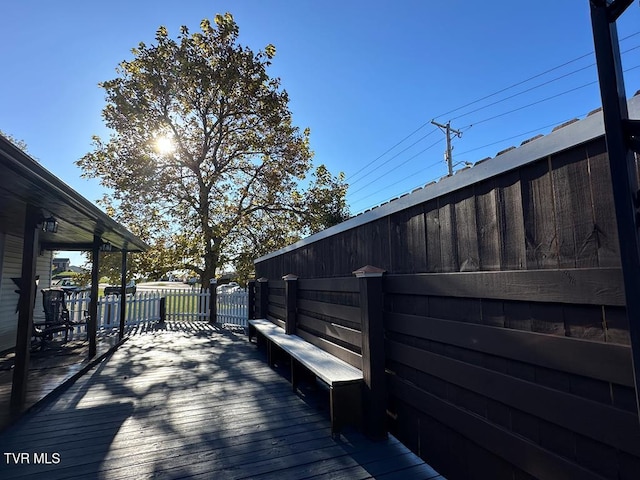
373,356
622,137
163,310
30,251
93,303
213,301
123,294
290,300
262,297
251,299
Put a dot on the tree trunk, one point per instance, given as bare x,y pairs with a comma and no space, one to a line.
210,266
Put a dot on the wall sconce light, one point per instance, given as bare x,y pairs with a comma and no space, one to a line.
106,247
50,225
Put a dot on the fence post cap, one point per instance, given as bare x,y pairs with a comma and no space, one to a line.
262,280
290,277
368,271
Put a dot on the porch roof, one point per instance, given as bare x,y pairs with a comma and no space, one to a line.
25,182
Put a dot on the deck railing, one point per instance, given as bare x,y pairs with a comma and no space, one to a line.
144,307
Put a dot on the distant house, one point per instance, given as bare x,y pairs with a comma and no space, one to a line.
61,264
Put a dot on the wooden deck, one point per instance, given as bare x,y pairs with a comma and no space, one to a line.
192,401
49,369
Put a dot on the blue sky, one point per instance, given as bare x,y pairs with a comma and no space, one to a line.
362,75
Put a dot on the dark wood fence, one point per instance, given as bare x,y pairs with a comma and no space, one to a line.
506,341
556,212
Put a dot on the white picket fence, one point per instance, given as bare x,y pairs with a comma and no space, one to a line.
186,305
232,308
144,307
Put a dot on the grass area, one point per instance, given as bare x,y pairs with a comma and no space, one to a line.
185,304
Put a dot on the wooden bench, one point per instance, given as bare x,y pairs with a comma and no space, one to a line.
344,381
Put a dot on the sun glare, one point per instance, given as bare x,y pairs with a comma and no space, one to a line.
164,145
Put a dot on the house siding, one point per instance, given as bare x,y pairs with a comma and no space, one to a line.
11,266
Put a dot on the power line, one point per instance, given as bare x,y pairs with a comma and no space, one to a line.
516,136
537,102
364,167
397,166
485,119
448,157
535,87
476,123
479,122
387,151
538,129
515,85
395,156
399,181
527,79
520,93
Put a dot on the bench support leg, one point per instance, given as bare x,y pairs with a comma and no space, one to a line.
295,374
270,353
300,373
346,406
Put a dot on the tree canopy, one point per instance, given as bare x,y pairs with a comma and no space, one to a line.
203,160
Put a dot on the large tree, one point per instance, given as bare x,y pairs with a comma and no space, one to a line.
204,161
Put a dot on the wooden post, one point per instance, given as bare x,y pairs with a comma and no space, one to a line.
93,303
373,356
290,302
621,135
30,250
251,299
123,294
213,301
262,306
163,309
108,314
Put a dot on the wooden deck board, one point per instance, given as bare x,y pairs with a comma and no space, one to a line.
191,402
58,363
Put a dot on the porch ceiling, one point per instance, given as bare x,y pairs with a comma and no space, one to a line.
24,181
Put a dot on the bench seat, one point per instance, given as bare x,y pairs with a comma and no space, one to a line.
344,380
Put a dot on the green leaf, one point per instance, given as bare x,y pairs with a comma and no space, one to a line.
270,51
205,24
162,32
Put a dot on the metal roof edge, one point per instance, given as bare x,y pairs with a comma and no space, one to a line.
22,163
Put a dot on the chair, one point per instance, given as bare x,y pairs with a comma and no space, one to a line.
56,317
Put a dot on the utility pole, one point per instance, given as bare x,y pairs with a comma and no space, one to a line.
448,131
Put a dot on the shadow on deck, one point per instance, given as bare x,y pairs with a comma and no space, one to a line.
50,369
192,401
